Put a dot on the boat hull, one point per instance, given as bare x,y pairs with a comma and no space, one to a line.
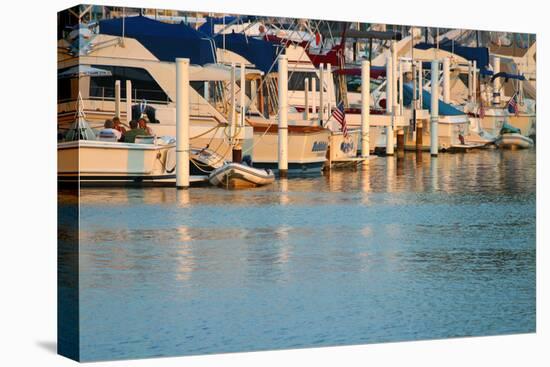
307,148
514,141
110,163
240,176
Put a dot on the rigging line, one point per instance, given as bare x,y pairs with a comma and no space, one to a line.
272,65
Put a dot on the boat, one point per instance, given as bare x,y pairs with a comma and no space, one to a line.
87,160
511,138
240,176
514,141
113,59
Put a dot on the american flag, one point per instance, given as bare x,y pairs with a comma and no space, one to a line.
340,116
513,105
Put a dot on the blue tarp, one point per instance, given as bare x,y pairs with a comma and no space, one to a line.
261,53
479,54
445,109
164,40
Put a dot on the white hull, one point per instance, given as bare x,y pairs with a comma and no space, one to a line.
236,175
307,148
514,141
100,160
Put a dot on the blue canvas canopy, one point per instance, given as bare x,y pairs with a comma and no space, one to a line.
445,109
261,53
479,54
164,40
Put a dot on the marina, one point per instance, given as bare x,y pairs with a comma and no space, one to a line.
279,101
248,183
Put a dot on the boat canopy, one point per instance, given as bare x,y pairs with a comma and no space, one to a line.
478,54
445,109
166,41
261,53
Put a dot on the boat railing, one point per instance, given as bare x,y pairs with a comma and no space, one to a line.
108,94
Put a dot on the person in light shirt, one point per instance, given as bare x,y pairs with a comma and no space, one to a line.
109,133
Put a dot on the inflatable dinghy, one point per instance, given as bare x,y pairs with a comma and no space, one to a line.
240,176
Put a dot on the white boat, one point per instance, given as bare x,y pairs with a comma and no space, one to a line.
514,141
153,83
307,146
106,162
240,176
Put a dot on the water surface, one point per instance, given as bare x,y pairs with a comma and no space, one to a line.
408,248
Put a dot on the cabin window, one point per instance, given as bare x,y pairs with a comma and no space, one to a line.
353,83
296,80
144,86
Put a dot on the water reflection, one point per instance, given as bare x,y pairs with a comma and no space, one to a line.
402,248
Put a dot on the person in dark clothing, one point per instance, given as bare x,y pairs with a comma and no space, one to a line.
130,136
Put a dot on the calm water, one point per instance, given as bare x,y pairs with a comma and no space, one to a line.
406,249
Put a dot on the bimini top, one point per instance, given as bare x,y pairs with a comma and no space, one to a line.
261,53
479,54
166,41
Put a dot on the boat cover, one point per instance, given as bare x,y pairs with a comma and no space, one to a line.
261,53
479,54
162,39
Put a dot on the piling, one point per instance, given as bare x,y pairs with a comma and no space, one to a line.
128,101
232,103
237,155
470,82
321,94
283,118
117,98
400,140
420,85
474,82
313,96
182,123
306,99
419,136
365,108
390,107
496,81
434,116
400,75
329,90
447,80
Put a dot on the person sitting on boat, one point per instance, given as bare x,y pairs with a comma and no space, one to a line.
142,122
135,130
118,126
109,133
